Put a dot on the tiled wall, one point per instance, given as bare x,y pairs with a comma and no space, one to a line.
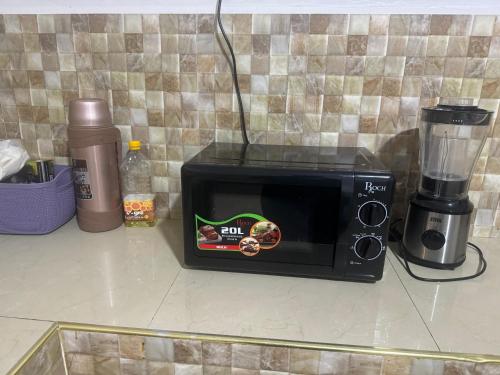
47,360
306,79
112,354
96,353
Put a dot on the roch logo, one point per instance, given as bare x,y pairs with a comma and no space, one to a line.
371,189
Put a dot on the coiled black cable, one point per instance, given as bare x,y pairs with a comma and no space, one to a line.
234,73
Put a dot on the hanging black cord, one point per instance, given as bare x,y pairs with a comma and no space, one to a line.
234,73
402,253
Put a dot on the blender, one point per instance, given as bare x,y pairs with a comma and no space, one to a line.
452,135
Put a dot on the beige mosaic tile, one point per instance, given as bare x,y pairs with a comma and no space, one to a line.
304,361
186,351
274,359
316,79
161,355
48,359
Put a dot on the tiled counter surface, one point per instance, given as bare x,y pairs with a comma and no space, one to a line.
132,277
463,316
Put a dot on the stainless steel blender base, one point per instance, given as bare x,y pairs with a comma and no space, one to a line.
435,239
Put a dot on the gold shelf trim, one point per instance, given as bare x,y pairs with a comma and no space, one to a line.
56,328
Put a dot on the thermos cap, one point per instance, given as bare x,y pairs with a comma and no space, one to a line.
92,112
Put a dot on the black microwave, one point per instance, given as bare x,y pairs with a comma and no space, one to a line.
289,210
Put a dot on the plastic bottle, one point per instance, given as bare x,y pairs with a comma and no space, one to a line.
138,198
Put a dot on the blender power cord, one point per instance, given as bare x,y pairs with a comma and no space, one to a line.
234,72
397,235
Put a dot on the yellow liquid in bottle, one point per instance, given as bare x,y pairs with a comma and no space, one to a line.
139,210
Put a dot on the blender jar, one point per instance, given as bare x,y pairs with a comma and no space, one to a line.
451,139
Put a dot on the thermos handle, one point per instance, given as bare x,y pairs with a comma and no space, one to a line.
118,144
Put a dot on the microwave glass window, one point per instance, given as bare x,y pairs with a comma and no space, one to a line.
306,216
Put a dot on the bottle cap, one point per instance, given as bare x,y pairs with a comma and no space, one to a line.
134,145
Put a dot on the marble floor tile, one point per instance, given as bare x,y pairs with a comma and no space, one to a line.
462,316
17,336
118,277
291,308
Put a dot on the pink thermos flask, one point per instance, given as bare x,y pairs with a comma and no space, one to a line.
95,148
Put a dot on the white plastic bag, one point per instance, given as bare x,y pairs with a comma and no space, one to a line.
13,157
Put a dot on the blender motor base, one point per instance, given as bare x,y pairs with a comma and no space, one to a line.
434,238
425,263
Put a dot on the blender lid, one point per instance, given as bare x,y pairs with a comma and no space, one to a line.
457,112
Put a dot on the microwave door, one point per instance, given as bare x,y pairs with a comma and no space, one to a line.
308,219
292,223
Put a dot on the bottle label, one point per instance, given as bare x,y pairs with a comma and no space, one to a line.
139,207
81,179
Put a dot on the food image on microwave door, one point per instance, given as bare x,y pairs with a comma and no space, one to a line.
208,234
266,233
249,246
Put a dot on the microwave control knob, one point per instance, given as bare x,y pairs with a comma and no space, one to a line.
368,247
372,213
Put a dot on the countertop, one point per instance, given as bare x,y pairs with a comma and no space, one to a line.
133,277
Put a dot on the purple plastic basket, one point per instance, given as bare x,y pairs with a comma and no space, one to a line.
37,208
